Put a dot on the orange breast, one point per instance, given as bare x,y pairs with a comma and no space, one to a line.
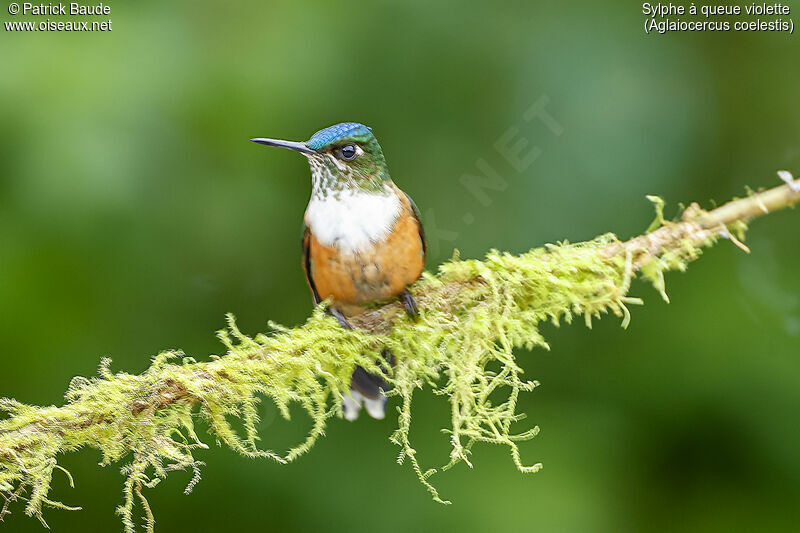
377,273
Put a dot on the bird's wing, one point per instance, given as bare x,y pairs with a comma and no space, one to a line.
415,212
307,263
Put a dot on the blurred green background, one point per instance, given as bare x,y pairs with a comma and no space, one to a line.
134,213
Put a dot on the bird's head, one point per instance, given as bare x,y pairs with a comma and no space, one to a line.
342,156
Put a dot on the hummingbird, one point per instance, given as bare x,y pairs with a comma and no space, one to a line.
363,240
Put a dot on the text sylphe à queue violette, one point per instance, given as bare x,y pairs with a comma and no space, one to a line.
754,9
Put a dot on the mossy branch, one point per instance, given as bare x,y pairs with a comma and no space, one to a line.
473,314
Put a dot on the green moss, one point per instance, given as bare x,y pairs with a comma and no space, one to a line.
473,314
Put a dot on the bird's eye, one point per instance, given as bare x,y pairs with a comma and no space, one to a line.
348,152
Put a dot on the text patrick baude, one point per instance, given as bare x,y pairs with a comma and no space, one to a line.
72,9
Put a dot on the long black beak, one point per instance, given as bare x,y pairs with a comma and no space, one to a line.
291,145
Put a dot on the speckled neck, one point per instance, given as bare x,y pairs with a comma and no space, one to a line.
329,176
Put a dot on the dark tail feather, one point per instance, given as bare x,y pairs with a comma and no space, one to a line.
369,385
367,390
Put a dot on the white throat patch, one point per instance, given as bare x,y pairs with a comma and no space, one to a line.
352,220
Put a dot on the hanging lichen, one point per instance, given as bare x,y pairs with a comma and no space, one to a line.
473,314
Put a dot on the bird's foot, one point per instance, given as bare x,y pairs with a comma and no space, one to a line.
335,313
409,303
